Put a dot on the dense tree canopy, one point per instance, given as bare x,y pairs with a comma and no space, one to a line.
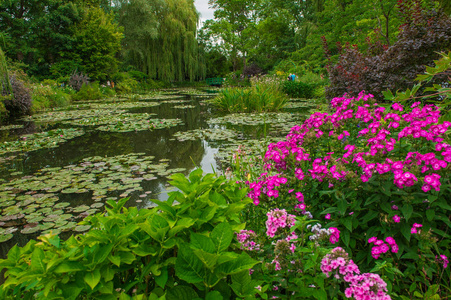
161,38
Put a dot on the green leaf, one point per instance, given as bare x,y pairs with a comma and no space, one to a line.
208,213
242,284
163,278
37,260
388,95
222,236
71,291
92,278
156,226
430,214
214,295
127,257
405,230
208,259
181,224
347,222
188,266
181,292
69,266
116,260
243,262
200,241
407,211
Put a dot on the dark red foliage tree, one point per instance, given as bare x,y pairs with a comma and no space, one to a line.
425,32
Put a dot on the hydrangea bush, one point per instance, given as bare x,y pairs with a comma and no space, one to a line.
379,176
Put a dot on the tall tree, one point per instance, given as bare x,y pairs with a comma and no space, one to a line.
160,38
97,39
235,25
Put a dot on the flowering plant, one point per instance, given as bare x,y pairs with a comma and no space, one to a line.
371,170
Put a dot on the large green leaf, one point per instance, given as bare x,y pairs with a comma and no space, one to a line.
69,266
222,236
243,262
213,295
200,241
181,224
208,259
181,293
242,284
162,278
188,266
156,226
37,260
92,278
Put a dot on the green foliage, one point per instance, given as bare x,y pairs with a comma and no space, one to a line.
162,45
97,40
49,95
89,91
299,89
125,83
182,249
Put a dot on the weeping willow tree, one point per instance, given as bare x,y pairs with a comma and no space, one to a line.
5,85
160,38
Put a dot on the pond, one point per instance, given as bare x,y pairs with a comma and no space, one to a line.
59,166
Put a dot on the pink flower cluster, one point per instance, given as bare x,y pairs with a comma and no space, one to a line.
278,218
367,153
267,185
334,235
367,286
381,247
415,227
444,260
338,263
246,238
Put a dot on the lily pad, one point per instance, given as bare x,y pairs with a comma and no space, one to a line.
5,237
81,228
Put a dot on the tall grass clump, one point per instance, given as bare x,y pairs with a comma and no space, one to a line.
264,95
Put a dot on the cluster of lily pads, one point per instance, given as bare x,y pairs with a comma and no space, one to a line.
35,141
211,134
9,127
33,203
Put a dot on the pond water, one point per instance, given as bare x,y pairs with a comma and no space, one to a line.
59,166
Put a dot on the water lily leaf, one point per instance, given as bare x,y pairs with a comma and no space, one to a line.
5,237
29,230
81,228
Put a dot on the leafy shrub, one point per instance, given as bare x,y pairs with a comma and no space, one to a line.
299,89
424,33
19,103
77,80
380,175
126,86
88,92
49,95
107,92
65,68
184,246
137,75
264,95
